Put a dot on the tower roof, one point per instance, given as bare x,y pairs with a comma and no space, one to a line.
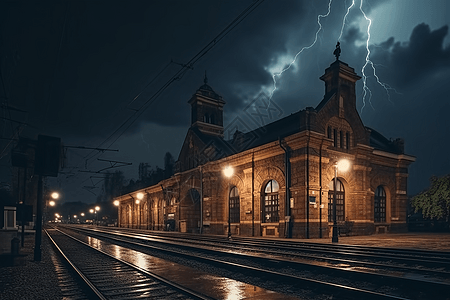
207,91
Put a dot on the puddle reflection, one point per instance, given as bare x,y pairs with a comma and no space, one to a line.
139,259
233,289
93,242
230,289
117,252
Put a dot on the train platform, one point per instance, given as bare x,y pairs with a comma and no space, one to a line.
412,240
39,280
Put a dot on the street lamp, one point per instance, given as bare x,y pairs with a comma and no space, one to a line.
97,208
139,197
55,195
117,203
91,211
343,165
228,172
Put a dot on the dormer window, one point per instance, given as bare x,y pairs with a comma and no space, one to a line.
335,141
339,132
347,140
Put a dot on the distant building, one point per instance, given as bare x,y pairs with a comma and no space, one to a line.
283,180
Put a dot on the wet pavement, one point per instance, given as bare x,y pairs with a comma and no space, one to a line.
417,240
214,286
39,280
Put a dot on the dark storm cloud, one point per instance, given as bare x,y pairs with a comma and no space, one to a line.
410,62
352,35
82,63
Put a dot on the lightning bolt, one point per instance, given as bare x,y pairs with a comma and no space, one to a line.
345,18
143,140
278,74
366,90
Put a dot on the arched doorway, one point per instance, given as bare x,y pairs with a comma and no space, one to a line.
190,212
340,201
235,207
270,205
379,205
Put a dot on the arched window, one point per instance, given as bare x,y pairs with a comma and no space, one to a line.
212,119
329,132
341,139
270,202
234,205
206,118
347,140
335,140
340,201
380,205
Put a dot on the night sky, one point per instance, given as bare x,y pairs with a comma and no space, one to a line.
80,69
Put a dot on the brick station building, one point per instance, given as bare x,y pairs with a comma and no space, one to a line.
283,179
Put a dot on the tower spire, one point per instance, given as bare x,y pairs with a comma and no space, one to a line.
337,51
205,80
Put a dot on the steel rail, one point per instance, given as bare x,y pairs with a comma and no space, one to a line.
192,294
319,285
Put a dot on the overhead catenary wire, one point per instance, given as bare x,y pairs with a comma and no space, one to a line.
177,76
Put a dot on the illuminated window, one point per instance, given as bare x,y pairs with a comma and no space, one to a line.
270,202
340,204
234,206
380,205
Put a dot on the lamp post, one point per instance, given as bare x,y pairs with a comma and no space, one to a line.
139,197
343,165
54,196
117,203
97,208
228,172
92,211
39,216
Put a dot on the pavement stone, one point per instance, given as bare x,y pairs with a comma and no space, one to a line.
432,241
33,280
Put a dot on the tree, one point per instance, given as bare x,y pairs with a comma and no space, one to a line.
112,186
169,163
435,201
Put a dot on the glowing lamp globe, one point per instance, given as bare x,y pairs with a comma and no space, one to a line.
343,165
228,171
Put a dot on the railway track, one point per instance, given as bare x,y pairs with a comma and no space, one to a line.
112,278
332,280
434,264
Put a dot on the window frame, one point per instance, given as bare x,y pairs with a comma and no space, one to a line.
270,202
379,205
234,206
340,201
